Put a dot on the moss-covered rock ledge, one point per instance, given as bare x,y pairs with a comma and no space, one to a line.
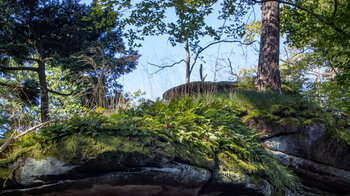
83,165
237,143
180,147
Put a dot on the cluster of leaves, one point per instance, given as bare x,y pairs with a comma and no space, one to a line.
324,30
89,124
212,125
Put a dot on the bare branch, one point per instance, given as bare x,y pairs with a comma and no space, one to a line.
32,59
230,65
201,73
58,93
213,43
13,86
11,139
333,69
334,10
316,73
161,67
19,69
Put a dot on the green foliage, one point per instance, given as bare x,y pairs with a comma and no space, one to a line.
309,74
188,26
324,38
205,124
252,31
196,131
78,39
89,124
150,18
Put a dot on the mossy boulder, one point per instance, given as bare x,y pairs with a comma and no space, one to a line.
200,88
82,165
189,146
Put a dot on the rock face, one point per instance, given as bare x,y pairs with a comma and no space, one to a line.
127,168
309,151
52,177
318,159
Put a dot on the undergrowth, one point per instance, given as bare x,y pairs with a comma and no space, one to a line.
271,105
211,124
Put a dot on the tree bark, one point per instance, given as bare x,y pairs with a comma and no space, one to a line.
43,93
268,66
188,62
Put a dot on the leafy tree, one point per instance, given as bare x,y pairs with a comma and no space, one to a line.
35,33
308,73
21,98
323,28
149,19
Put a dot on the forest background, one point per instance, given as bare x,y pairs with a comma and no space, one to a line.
314,58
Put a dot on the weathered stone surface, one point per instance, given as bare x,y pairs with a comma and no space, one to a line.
316,174
319,160
215,187
117,165
52,177
171,178
312,143
31,170
274,127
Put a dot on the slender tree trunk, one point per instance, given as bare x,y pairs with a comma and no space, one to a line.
268,66
43,92
318,82
188,62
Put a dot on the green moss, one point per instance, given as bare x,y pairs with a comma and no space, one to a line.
77,147
229,171
290,123
196,131
232,159
194,155
307,114
345,135
13,155
4,173
283,111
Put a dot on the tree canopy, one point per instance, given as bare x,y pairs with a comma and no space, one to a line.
150,18
81,46
38,33
321,31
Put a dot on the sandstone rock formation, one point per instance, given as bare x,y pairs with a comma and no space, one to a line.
129,168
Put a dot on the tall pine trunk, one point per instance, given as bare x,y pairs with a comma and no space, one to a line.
268,66
43,92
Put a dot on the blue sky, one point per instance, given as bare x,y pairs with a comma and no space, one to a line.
158,50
